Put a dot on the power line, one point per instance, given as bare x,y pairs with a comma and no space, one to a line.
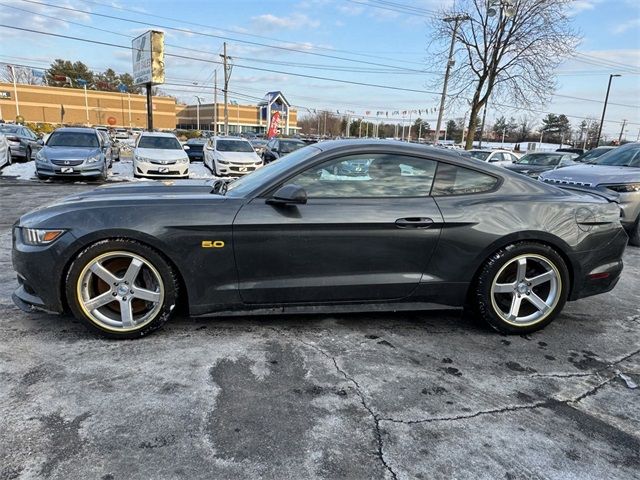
222,37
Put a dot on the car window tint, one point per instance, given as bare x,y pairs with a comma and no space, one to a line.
455,180
369,175
497,157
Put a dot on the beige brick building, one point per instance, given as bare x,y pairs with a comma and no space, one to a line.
41,104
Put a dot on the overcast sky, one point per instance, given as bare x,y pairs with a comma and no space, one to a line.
378,38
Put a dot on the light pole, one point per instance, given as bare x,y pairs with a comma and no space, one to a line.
604,108
198,112
83,82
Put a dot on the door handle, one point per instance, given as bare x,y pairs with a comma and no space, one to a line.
414,222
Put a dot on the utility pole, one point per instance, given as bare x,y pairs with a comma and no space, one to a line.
227,75
604,108
215,102
624,122
456,19
484,117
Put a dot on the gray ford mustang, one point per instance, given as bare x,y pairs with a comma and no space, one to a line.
410,228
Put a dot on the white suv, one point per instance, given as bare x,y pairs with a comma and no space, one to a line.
230,156
159,155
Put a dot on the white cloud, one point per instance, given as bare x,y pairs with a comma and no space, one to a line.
294,21
628,25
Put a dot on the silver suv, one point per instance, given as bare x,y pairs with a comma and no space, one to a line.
617,171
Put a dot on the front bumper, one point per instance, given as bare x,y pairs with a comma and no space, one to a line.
39,271
83,170
145,169
236,168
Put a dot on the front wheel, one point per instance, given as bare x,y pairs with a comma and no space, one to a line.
121,288
522,288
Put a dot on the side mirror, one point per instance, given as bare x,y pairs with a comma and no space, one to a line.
290,194
186,147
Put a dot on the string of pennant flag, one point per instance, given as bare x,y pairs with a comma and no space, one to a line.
378,113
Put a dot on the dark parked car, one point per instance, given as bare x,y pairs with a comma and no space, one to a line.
617,172
577,151
533,164
591,155
279,147
196,149
23,142
74,152
259,145
419,227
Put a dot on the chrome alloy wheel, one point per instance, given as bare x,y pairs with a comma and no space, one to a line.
526,290
120,291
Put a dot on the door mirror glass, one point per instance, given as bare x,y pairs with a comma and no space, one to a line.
290,194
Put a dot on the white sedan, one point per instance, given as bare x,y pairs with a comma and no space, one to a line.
230,156
496,157
5,152
159,155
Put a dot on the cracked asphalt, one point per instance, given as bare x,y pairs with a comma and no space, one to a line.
427,395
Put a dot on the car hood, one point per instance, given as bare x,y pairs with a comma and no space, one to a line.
594,175
69,153
159,154
528,168
140,194
240,157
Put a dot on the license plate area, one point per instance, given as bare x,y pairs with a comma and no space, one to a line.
66,170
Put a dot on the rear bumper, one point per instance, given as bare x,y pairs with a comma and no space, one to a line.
600,269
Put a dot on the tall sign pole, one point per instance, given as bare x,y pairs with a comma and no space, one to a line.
215,102
148,65
227,75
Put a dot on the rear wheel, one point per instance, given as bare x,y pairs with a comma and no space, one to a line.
522,288
121,288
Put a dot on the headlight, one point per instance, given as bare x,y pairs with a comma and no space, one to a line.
33,236
142,159
625,187
40,157
94,159
182,160
220,161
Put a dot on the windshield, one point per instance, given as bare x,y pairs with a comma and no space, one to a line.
233,146
591,155
9,128
626,156
480,155
160,143
264,175
73,139
290,146
540,159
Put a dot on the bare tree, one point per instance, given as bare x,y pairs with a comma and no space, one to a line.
511,54
23,75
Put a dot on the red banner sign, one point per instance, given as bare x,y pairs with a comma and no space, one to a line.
273,126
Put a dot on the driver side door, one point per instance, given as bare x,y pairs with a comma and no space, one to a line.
366,233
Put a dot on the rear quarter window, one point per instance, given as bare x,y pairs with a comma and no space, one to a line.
456,180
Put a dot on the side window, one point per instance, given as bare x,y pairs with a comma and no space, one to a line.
513,158
566,160
497,157
369,175
454,180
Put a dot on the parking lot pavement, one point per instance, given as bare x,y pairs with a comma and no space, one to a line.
395,395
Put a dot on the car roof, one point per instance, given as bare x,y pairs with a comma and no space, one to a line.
157,134
235,139
76,130
395,145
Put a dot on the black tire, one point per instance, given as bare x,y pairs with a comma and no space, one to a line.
485,304
169,286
